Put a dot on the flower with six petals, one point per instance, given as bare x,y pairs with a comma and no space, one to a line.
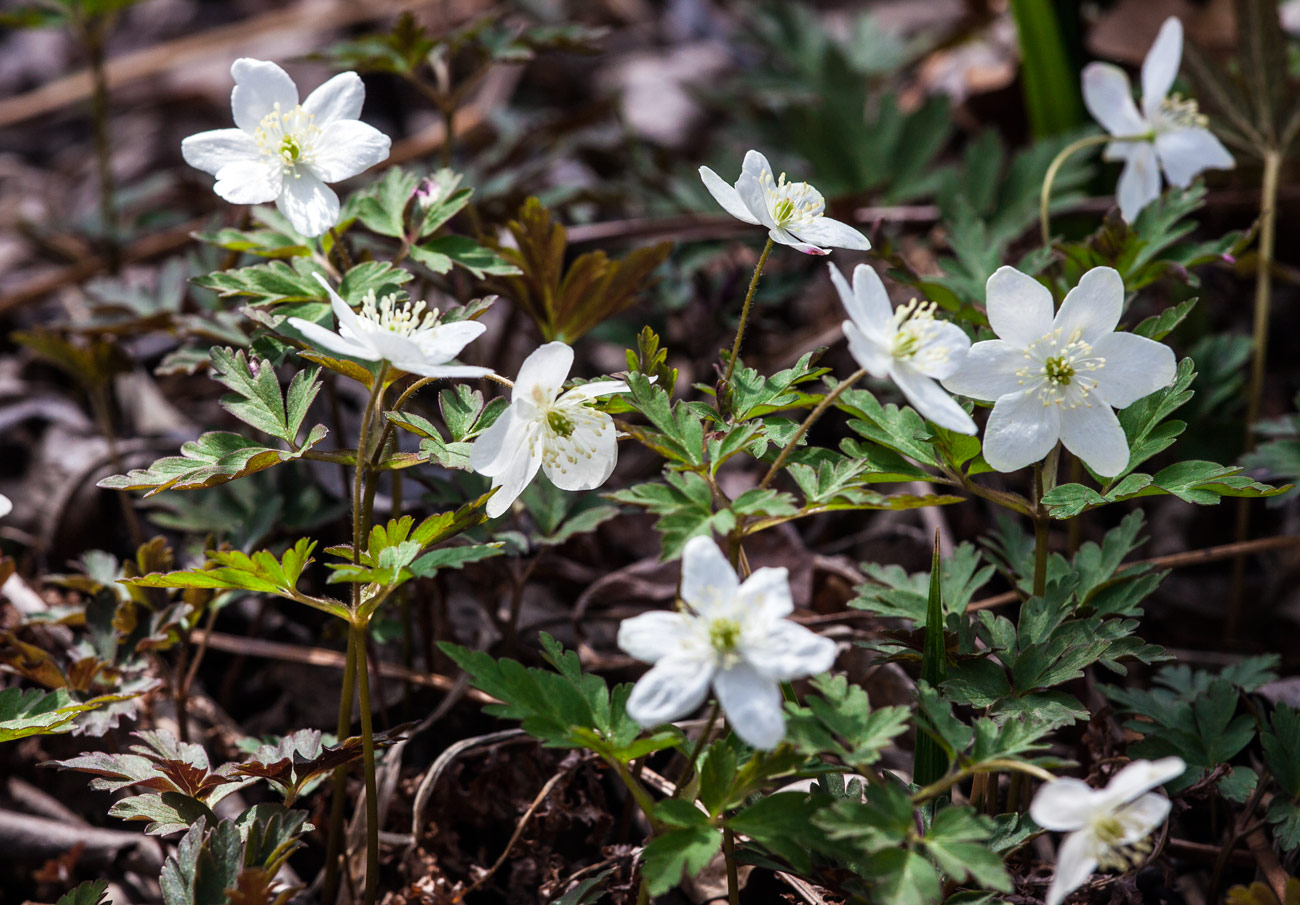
731,635
909,346
1169,132
1057,378
1106,827
406,336
286,152
791,211
560,433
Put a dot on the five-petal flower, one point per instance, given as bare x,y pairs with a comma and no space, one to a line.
406,336
562,434
909,346
1057,378
285,152
731,635
1106,826
1172,132
791,211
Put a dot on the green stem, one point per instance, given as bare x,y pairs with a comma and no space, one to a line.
1045,199
358,633
335,843
359,526
937,788
92,33
744,311
733,878
637,791
690,769
827,401
1041,526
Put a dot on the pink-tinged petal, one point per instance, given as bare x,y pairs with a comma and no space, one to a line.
210,151
785,237
331,341
765,595
1019,307
1092,308
1063,805
869,351
586,458
248,182
311,205
709,583
930,400
1093,433
1109,98
1135,367
339,98
786,651
988,371
348,147
652,636
1139,777
543,373
831,233
1139,184
259,86
1021,430
1185,152
727,196
674,686
752,703
1075,862
1160,67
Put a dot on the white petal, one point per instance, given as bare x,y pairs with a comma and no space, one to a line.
1019,307
788,651
210,151
930,400
522,459
544,371
6,506
1186,152
350,323
672,688
493,448
709,584
586,459
755,164
765,595
988,371
785,237
652,636
311,205
752,704
248,182
1142,816
1020,431
339,98
1139,184
1063,805
445,341
952,344
1141,776
1109,98
1135,367
424,369
832,233
867,302
1075,862
1093,306
1160,68
750,187
870,352
727,196
594,390
348,147
1092,433
259,86
331,341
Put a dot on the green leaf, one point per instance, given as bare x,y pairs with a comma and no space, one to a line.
957,840
383,207
1281,743
892,592
441,253
899,429
1285,818
929,761
29,712
91,892
684,506
204,866
379,277
903,877
1050,82
258,401
1203,483
842,723
686,848
269,284
164,812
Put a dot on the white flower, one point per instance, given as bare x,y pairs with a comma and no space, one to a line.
6,506
731,635
285,152
1057,378
406,336
575,444
1173,131
1106,826
909,346
791,211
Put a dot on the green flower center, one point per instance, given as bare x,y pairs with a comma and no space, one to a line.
1059,370
289,148
1109,830
559,423
724,635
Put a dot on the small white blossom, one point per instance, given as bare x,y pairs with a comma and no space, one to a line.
562,434
405,335
731,635
791,211
6,506
1058,378
1107,827
1173,130
285,152
909,346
